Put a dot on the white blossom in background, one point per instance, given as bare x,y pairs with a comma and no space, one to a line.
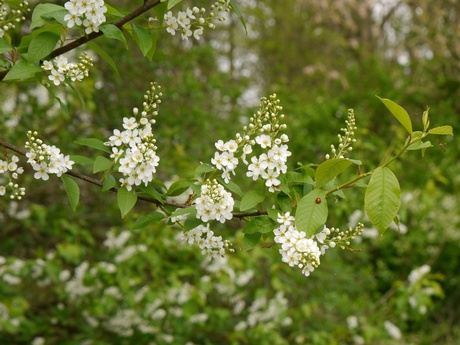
134,147
192,21
60,68
392,330
89,13
12,170
215,203
417,274
46,159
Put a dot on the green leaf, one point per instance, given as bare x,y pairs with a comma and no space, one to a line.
94,143
329,169
399,113
79,95
426,119
181,211
126,200
442,130
310,214
101,52
251,240
262,224
191,222
146,219
43,11
72,190
172,3
153,193
273,213
382,198
113,32
284,202
250,200
4,46
161,10
179,187
418,145
142,38
203,169
237,11
232,187
81,159
22,71
101,163
109,182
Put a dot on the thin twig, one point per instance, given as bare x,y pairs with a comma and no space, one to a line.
84,39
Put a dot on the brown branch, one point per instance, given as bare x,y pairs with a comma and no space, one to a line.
98,183
84,39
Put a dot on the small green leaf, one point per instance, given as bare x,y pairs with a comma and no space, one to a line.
103,54
179,187
426,119
4,46
329,169
237,11
42,11
442,130
126,200
153,193
109,182
153,49
250,200
399,113
232,187
262,224
22,71
191,222
172,3
311,214
142,38
161,10
113,32
418,145
382,198
284,202
79,95
101,163
203,169
273,213
81,159
251,240
181,211
94,143
72,190
146,219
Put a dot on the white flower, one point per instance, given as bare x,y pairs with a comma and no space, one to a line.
264,140
215,203
392,330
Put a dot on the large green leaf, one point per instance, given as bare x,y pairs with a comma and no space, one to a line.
103,54
329,169
4,46
126,200
442,130
72,190
112,31
101,163
42,11
250,200
146,219
237,11
94,143
179,187
22,71
262,224
251,240
399,113
311,212
382,198
143,39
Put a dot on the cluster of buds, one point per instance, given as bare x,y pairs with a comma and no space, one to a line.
346,140
8,20
11,168
193,20
60,68
329,238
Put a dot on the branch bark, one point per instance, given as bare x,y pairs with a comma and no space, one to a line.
147,5
98,183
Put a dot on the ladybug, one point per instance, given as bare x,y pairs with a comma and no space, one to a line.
318,201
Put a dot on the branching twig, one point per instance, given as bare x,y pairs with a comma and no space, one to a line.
143,198
84,39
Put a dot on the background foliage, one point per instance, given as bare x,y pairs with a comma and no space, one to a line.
320,58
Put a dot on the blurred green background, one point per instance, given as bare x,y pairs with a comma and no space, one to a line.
76,286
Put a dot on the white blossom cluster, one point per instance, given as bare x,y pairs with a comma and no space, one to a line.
60,68
214,203
134,148
193,20
11,168
211,245
296,249
46,159
346,140
417,274
89,13
8,19
263,133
